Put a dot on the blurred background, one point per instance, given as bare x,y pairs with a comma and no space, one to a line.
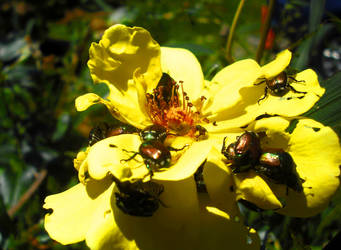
43,54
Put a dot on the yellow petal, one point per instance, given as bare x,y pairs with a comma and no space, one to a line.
219,230
291,104
81,156
114,60
108,155
173,226
253,188
111,156
316,152
75,209
120,52
225,89
104,233
219,183
187,164
182,65
278,65
85,101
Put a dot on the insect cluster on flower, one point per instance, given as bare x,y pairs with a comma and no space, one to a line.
276,164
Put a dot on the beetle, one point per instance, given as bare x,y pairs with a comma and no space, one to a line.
278,166
138,198
279,85
104,130
155,155
154,132
244,153
166,88
152,149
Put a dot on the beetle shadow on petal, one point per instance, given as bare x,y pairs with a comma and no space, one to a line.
252,94
274,140
94,188
179,219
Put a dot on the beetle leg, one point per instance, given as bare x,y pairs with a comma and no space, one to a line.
150,170
293,78
265,95
131,157
295,91
259,83
162,203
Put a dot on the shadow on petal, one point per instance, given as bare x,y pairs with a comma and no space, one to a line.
173,226
220,231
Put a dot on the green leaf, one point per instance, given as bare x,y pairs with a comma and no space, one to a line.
62,126
316,34
330,217
316,12
12,49
198,50
14,182
306,48
7,226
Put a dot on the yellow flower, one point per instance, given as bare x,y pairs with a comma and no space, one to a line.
165,86
131,64
316,154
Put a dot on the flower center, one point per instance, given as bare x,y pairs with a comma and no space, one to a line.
168,108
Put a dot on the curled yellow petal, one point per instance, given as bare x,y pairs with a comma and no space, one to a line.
120,52
81,156
276,66
115,59
85,101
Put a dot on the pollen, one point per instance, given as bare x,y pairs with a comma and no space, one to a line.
169,107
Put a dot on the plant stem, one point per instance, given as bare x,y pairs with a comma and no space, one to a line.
39,179
231,33
264,32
